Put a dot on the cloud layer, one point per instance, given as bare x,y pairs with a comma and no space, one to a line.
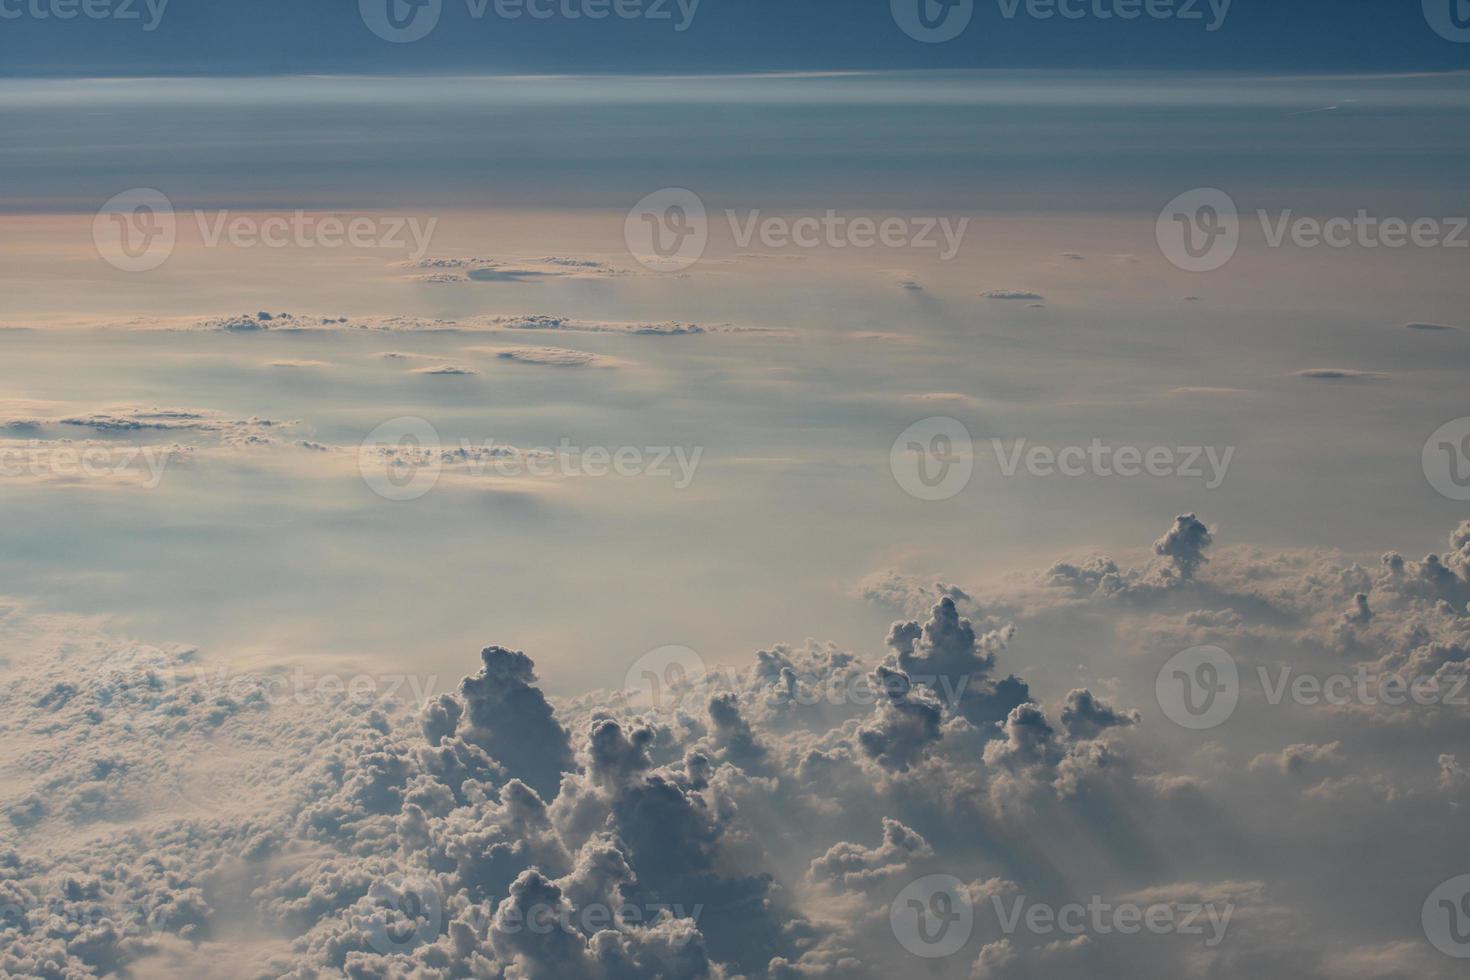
761,820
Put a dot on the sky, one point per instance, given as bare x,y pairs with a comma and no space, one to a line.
778,499
190,37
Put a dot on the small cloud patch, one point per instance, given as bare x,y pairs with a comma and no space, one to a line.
1011,294
550,356
1341,374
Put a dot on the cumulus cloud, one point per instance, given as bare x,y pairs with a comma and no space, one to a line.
1085,716
133,419
908,721
947,656
58,444
1185,544
994,959
506,715
764,825
906,595
1385,961
1297,759
853,865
